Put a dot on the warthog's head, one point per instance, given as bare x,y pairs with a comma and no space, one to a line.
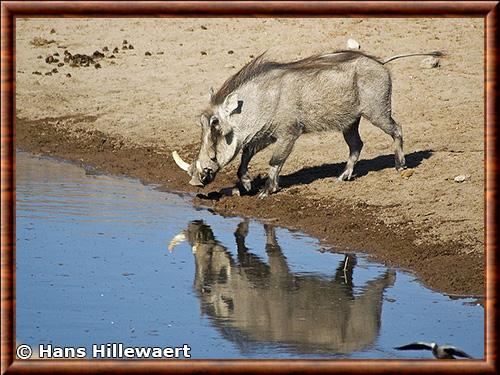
218,142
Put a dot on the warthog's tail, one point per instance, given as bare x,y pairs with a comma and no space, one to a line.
435,54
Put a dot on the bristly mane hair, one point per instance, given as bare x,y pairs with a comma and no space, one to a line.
260,66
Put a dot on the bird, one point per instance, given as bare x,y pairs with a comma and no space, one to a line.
439,351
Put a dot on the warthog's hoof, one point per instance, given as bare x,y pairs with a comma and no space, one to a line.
246,184
268,191
263,194
345,176
400,163
401,168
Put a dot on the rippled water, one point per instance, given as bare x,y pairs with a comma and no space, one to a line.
94,266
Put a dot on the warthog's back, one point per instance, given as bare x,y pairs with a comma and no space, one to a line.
324,92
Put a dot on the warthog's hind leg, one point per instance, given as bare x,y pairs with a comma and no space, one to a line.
391,127
353,140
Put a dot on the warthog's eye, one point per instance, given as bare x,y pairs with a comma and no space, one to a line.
214,121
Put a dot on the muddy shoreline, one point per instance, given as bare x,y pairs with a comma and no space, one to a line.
343,225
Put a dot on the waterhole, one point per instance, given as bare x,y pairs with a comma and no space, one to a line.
104,259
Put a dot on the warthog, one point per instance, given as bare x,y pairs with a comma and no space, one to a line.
251,300
268,102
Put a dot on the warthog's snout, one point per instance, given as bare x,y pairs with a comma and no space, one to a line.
202,179
197,179
207,176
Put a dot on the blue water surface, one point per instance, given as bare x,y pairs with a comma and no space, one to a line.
93,267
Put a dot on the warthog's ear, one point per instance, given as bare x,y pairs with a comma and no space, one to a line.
231,103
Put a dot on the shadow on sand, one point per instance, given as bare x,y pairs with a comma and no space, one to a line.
308,175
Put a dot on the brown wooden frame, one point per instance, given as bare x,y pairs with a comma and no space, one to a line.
488,10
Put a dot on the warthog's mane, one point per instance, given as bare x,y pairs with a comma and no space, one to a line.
260,65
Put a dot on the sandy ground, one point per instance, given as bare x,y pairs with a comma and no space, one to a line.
127,116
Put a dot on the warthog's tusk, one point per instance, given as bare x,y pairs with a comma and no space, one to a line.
181,163
176,240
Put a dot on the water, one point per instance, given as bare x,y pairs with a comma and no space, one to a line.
93,267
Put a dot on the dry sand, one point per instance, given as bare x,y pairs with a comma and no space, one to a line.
127,116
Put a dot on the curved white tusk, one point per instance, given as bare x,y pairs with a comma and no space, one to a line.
176,240
181,163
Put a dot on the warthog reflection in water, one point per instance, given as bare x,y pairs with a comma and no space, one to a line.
249,300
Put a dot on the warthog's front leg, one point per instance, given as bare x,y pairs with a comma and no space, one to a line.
247,154
243,176
282,150
271,185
